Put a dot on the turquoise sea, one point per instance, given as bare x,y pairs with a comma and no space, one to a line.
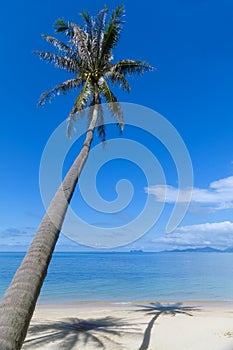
125,277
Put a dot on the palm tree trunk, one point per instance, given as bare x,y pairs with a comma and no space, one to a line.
20,299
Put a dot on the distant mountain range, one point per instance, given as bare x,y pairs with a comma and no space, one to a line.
201,250
190,250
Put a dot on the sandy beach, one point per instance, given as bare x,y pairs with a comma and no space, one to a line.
137,326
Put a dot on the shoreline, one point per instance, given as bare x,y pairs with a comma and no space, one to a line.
202,303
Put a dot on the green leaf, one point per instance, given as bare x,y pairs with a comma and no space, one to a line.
60,25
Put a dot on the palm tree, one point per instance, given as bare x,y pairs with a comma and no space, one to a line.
88,55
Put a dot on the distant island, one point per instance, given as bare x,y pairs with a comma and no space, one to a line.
188,250
200,250
136,251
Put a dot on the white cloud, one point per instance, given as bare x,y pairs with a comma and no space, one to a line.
216,234
219,194
213,228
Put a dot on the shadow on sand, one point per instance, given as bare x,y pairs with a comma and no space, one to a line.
100,333
158,309
70,332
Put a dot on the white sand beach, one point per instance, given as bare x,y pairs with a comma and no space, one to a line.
132,326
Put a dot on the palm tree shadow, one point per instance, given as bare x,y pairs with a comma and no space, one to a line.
69,332
157,309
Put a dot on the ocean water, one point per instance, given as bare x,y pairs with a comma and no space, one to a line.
125,277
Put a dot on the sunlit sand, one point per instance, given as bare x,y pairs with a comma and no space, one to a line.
133,326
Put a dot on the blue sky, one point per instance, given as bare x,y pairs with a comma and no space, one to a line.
191,45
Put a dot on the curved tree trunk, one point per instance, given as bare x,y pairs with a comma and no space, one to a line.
20,299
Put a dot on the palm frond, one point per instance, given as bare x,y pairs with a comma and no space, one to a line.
131,67
79,106
88,21
89,24
87,18
112,33
61,25
63,88
80,41
59,45
66,63
78,37
83,97
113,104
100,24
118,78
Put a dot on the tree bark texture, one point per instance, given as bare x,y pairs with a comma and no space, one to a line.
20,299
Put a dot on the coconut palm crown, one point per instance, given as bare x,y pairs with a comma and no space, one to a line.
88,55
